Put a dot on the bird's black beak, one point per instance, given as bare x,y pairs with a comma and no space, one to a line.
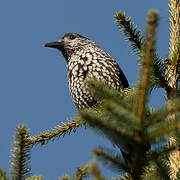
56,44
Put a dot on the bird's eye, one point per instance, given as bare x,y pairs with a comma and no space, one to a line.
72,37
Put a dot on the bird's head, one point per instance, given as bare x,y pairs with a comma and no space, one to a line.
69,43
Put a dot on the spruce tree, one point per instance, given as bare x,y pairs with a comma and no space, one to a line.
125,114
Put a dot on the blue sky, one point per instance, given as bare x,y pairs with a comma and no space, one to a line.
33,79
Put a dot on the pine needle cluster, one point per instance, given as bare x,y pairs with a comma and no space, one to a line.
20,155
126,116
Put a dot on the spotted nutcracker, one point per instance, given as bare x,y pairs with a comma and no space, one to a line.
86,60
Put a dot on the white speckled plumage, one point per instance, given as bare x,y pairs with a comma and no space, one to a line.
86,60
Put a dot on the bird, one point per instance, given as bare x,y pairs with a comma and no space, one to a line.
86,60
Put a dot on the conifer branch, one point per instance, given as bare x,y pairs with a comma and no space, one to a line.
20,155
122,115
158,116
161,167
174,159
174,54
172,63
65,177
136,39
3,175
158,78
103,92
35,178
147,62
167,150
152,21
133,35
111,159
56,132
81,173
164,129
84,172
126,176
102,125
172,76
95,171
